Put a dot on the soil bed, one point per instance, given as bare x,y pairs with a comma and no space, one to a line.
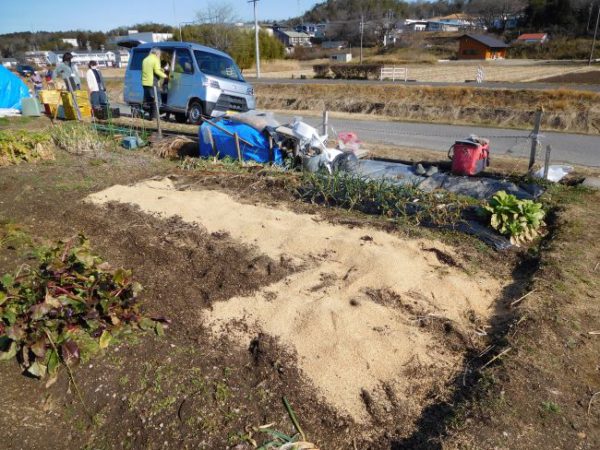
359,323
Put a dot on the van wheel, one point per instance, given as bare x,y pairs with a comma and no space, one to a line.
195,112
181,117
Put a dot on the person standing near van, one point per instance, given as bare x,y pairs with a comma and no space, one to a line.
95,85
68,72
151,73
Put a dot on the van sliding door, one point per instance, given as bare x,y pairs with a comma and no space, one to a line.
181,82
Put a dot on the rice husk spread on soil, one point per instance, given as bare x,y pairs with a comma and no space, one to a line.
360,311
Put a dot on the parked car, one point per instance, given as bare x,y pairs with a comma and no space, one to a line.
203,82
25,70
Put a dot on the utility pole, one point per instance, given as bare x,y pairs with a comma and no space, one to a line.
257,44
184,23
362,31
595,34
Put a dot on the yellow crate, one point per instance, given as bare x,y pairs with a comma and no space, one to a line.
50,97
82,101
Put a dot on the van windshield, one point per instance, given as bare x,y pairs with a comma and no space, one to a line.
218,66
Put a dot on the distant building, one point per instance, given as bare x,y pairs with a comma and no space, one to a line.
293,38
476,46
341,57
442,26
532,38
121,58
41,58
71,41
312,29
103,58
134,36
413,25
9,63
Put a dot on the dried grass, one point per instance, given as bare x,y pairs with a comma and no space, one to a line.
173,147
566,110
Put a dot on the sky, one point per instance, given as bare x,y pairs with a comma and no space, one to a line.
103,15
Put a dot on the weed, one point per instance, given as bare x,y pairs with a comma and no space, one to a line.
98,420
162,405
18,146
222,392
550,407
13,236
124,380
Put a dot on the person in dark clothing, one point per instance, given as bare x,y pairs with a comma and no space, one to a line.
69,72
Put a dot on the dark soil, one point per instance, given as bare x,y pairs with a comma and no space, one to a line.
185,389
188,390
591,77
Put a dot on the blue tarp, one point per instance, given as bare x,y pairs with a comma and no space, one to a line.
12,89
225,144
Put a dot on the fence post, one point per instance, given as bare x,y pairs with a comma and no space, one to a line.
237,146
547,161
157,112
535,140
325,121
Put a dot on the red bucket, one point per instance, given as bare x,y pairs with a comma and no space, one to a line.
469,158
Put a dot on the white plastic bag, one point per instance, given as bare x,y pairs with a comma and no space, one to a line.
555,173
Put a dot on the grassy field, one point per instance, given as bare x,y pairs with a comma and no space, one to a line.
421,68
565,110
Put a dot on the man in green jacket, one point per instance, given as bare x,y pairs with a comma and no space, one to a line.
151,72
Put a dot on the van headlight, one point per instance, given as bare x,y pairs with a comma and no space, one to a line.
212,83
250,91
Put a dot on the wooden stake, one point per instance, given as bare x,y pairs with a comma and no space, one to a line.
499,355
236,138
157,113
547,161
227,132
212,142
519,300
535,136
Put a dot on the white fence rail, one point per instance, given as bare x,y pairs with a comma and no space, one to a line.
394,73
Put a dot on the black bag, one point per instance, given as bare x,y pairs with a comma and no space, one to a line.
105,112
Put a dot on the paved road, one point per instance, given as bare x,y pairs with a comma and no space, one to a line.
571,148
487,85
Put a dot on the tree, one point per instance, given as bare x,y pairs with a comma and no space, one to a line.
495,13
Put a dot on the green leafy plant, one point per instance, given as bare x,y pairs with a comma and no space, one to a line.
521,220
70,307
18,146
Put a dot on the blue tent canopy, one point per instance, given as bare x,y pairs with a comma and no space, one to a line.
12,89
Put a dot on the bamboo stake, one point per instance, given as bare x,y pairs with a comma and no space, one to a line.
236,138
499,355
227,132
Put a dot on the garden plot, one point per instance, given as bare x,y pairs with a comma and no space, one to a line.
372,318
